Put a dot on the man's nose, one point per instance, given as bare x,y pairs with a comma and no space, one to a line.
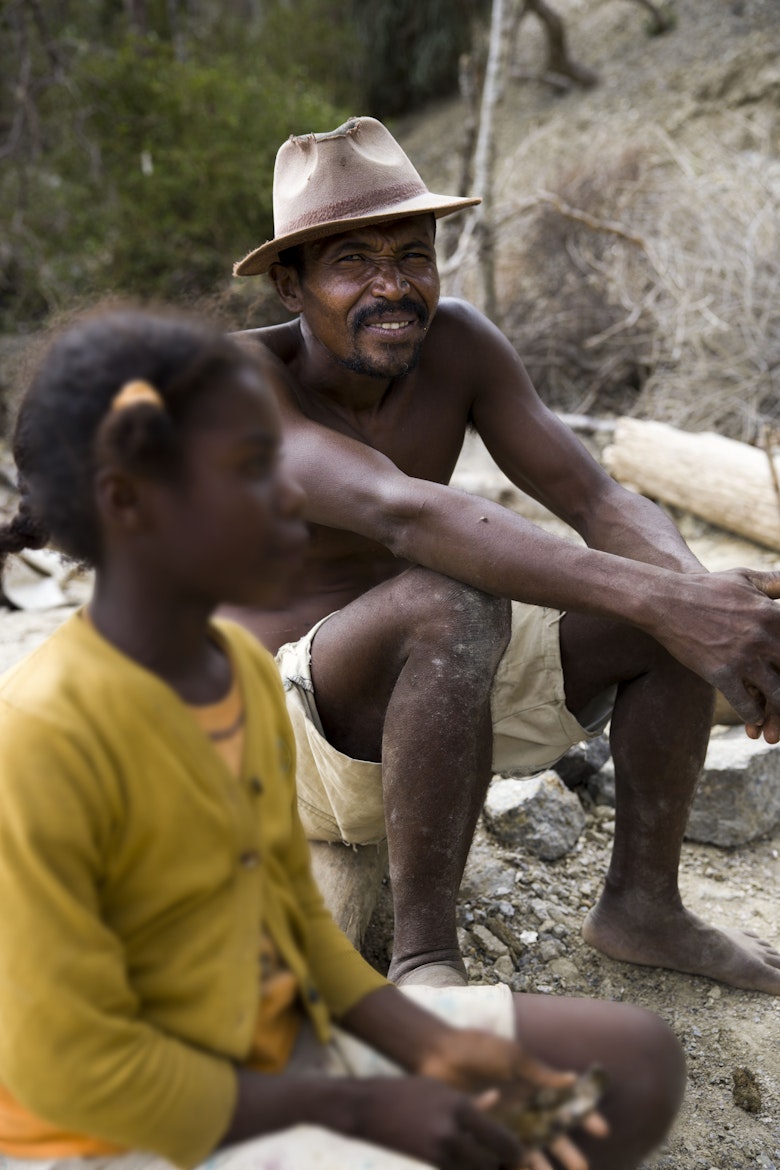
389,282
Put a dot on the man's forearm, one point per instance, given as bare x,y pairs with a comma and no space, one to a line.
487,546
632,526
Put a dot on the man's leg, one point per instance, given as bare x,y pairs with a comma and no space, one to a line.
404,675
659,733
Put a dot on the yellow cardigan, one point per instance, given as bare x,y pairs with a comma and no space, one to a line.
134,874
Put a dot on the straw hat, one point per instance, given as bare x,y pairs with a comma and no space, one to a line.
348,177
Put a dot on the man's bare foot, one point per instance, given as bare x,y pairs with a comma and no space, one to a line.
682,942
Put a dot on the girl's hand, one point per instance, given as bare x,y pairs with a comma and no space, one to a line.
540,1105
471,1059
543,1120
436,1124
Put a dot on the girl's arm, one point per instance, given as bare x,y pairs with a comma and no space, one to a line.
416,1116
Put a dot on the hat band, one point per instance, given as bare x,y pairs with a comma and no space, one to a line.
371,203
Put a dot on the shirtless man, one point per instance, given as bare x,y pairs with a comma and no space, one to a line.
422,666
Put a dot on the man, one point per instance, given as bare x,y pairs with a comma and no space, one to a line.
424,679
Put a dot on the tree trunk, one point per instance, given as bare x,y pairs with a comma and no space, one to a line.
558,59
728,483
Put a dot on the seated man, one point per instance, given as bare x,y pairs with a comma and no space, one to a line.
440,636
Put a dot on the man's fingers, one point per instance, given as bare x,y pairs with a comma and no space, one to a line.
768,582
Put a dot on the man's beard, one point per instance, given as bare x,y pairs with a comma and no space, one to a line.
393,366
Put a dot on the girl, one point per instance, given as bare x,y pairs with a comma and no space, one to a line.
168,973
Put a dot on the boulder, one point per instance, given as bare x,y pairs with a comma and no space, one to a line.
539,814
738,796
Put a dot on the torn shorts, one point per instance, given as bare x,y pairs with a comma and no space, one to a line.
340,799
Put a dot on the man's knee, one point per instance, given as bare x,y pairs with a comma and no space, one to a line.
457,621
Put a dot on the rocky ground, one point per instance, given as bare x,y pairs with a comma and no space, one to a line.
520,921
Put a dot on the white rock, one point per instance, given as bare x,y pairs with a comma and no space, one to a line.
537,814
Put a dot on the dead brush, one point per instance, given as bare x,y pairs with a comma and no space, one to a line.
646,280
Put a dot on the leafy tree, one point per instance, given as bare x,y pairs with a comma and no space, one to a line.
138,144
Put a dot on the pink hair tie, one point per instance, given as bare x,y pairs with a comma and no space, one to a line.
134,392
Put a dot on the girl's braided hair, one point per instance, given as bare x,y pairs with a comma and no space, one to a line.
65,419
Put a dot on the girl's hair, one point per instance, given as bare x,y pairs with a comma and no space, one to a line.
66,420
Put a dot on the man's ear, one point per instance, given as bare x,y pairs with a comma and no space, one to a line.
288,286
120,504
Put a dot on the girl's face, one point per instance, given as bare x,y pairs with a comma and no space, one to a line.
230,528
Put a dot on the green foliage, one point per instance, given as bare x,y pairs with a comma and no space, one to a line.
147,169
137,137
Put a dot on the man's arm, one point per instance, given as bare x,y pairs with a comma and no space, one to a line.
545,459
720,625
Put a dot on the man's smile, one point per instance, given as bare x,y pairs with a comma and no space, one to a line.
391,319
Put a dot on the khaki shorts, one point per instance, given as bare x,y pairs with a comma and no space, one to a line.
307,1147
340,799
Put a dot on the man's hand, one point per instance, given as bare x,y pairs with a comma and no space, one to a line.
722,627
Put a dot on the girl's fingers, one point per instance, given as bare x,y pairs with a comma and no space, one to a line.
596,1125
568,1154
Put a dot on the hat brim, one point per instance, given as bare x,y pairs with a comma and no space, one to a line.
261,259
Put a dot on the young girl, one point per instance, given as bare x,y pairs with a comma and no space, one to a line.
168,973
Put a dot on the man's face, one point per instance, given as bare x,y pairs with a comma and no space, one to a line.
368,295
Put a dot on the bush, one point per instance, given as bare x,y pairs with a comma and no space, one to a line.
153,176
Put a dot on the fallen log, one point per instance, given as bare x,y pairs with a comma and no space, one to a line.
727,483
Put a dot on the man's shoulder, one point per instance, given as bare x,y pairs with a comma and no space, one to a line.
464,326
456,311
281,340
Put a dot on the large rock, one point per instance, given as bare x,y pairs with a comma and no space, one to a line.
538,814
738,795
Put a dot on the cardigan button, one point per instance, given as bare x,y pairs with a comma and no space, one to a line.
250,859
313,995
254,785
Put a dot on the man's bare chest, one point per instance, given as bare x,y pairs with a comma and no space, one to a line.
422,434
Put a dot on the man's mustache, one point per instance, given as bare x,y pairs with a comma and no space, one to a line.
414,309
